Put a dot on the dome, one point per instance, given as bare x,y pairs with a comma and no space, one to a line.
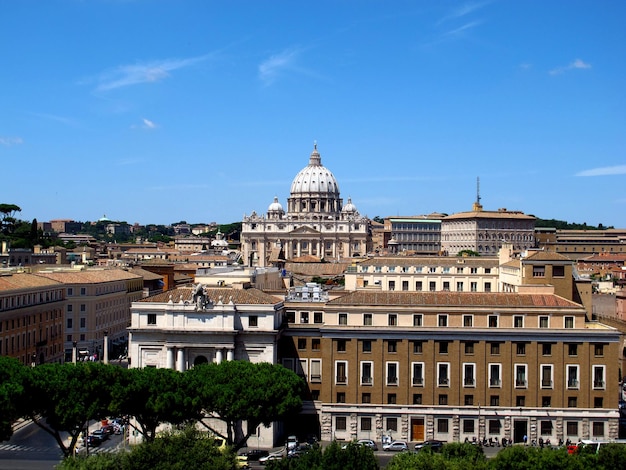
315,179
349,207
275,206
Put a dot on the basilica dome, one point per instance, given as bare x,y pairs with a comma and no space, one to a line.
315,179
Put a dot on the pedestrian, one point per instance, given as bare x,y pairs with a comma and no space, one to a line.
525,439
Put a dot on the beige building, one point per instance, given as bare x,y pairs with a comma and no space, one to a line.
316,223
486,231
452,365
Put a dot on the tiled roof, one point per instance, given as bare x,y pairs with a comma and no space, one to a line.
543,255
431,261
90,276
24,281
452,299
317,269
147,275
489,215
240,296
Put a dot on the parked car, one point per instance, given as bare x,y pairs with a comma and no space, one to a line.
396,446
255,454
273,456
242,462
432,444
108,428
93,441
292,442
100,434
367,443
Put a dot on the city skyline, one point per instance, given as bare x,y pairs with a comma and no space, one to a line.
155,112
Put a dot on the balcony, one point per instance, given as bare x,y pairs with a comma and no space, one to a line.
495,383
443,381
546,383
366,380
469,382
521,383
418,381
392,380
572,383
342,379
598,384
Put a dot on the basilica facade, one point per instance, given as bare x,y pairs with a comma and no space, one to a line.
316,223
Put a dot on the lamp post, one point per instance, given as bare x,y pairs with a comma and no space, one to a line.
34,360
105,347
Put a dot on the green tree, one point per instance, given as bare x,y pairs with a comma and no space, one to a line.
153,396
12,394
333,457
64,397
236,391
179,450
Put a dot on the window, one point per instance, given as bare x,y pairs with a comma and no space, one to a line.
83,307
83,322
598,429
546,376
459,270
405,285
443,399
468,320
468,426
392,346
518,321
520,376
469,379
304,317
70,308
546,428
315,395
290,317
443,347
343,318
473,286
459,286
367,319
316,370
494,426
432,286
253,321
418,374
152,319
392,373
473,270
366,373
442,425
469,347
598,349
546,349
366,397
367,345
569,322
494,400
572,349
494,375
544,322
417,398
301,343
558,271
392,319
468,400
418,286
598,377
392,285
442,320
494,349
341,345
418,347
392,424
572,428
572,376
572,402
70,291
546,401
69,324
520,400
598,402
340,423
341,372
341,397
317,317
539,271
315,344
487,286
391,399
493,321
446,285
443,380
520,348
366,423
83,291
417,320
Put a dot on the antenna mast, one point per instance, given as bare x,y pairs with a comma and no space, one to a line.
477,206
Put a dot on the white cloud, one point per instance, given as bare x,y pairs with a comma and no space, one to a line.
272,67
8,141
150,72
577,64
461,29
463,10
604,171
148,124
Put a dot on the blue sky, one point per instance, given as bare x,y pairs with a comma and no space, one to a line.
156,111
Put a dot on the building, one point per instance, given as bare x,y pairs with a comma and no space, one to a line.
31,318
194,325
452,365
415,235
485,231
425,273
316,223
577,244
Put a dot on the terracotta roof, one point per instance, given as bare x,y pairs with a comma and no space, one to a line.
306,259
240,296
490,215
542,255
24,281
317,269
452,299
147,275
90,276
491,261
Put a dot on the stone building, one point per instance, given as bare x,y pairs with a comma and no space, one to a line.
315,224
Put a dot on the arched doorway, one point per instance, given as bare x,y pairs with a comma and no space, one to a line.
200,360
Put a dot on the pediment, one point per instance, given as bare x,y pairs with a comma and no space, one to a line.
305,230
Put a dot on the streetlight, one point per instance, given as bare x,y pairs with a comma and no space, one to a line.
105,347
34,360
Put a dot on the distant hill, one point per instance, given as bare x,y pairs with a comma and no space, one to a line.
563,225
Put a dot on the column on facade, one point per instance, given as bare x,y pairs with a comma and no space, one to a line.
180,360
230,354
218,356
169,357
298,249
